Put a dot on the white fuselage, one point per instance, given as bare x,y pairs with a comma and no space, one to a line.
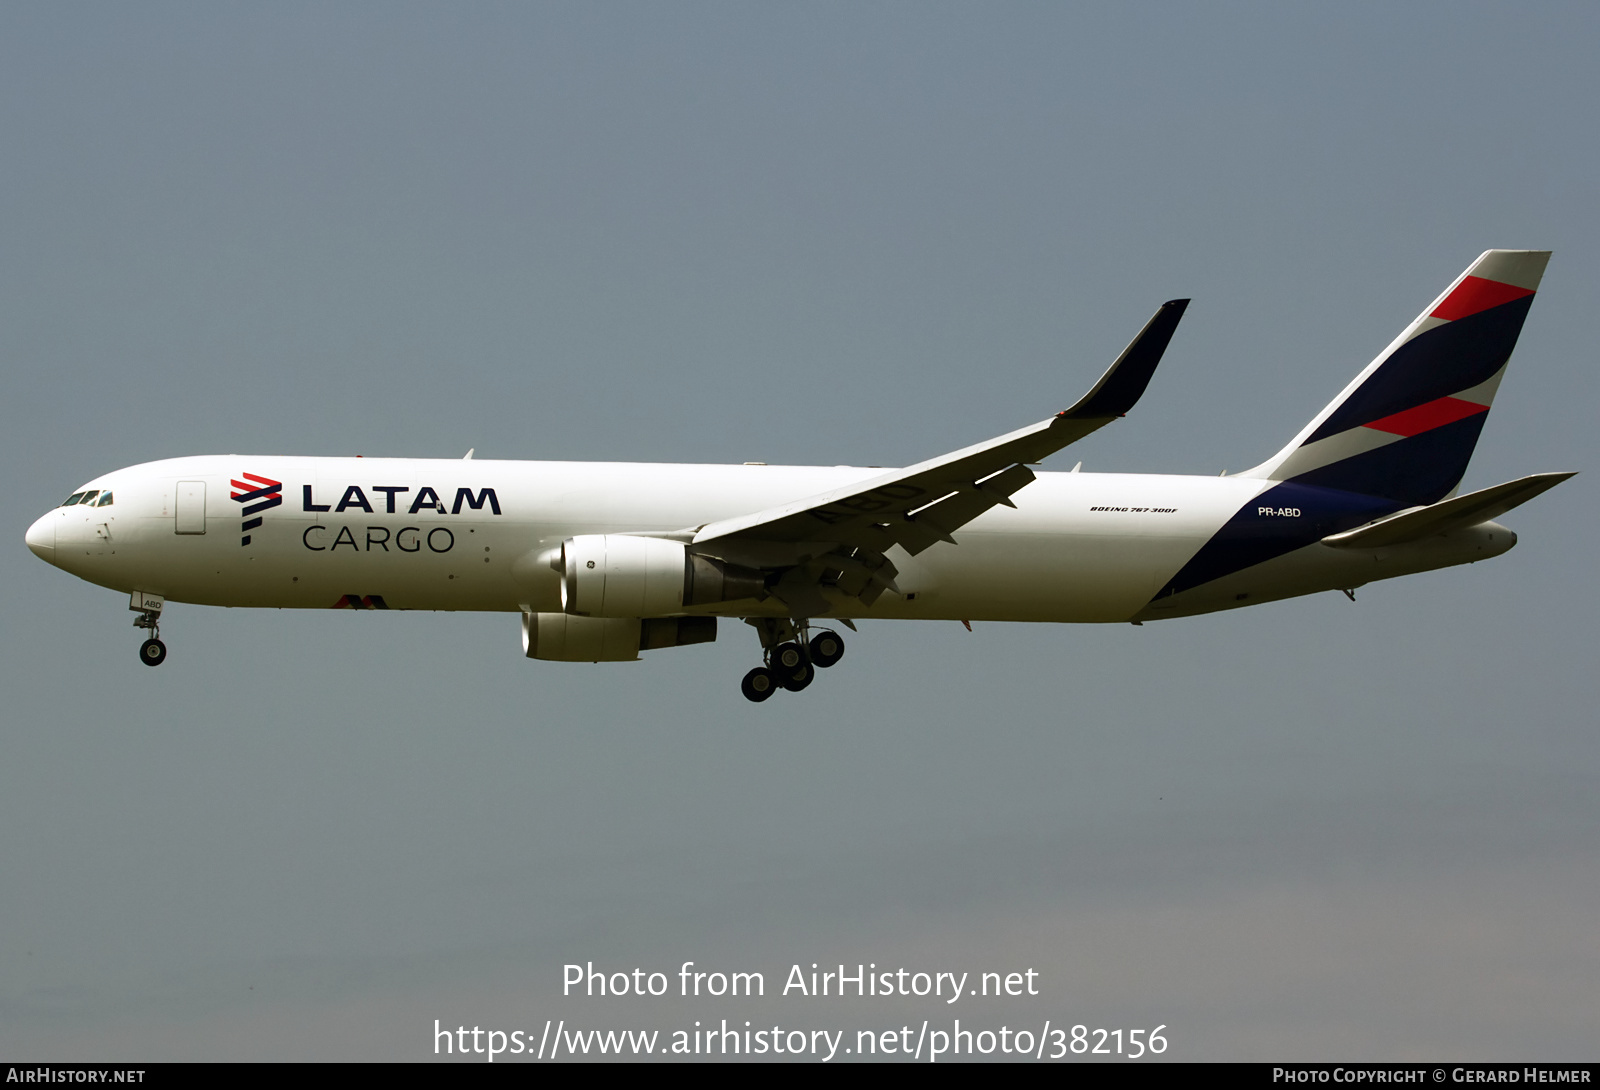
424,534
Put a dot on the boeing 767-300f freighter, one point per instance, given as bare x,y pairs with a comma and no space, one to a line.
605,560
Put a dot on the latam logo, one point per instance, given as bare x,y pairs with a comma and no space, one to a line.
426,499
260,494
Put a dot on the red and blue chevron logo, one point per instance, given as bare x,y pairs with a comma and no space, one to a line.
259,494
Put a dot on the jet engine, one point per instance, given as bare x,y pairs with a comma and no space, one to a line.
620,575
561,637
564,638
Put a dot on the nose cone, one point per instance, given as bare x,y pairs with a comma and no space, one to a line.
42,538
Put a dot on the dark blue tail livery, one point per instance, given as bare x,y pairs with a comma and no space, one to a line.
1405,429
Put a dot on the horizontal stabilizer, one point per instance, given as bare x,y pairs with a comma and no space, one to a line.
1447,515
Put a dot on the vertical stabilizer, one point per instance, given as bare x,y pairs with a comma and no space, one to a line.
1406,427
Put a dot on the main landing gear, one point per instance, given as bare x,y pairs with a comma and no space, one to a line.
792,657
152,652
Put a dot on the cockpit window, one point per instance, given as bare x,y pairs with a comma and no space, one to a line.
88,497
105,500
72,499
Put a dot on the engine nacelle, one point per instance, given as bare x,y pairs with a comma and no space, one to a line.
615,575
657,632
619,575
707,580
561,637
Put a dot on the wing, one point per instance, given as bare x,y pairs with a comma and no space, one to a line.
924,504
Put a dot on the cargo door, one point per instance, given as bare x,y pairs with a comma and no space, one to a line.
190,507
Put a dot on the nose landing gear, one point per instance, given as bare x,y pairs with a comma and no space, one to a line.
152,652
791,658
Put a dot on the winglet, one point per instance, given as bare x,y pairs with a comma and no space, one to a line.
927,502
1124,382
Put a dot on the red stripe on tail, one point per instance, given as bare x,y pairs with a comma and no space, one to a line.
1474,294
1434,414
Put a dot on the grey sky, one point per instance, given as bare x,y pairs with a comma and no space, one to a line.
805,234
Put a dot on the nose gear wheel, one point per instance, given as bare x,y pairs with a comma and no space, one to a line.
152,652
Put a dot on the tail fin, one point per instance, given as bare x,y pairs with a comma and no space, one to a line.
1406,427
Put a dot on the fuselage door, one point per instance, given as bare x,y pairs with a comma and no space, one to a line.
191,507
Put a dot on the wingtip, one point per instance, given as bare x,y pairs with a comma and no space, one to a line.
1124,383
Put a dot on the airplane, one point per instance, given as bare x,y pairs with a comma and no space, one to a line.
607,560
